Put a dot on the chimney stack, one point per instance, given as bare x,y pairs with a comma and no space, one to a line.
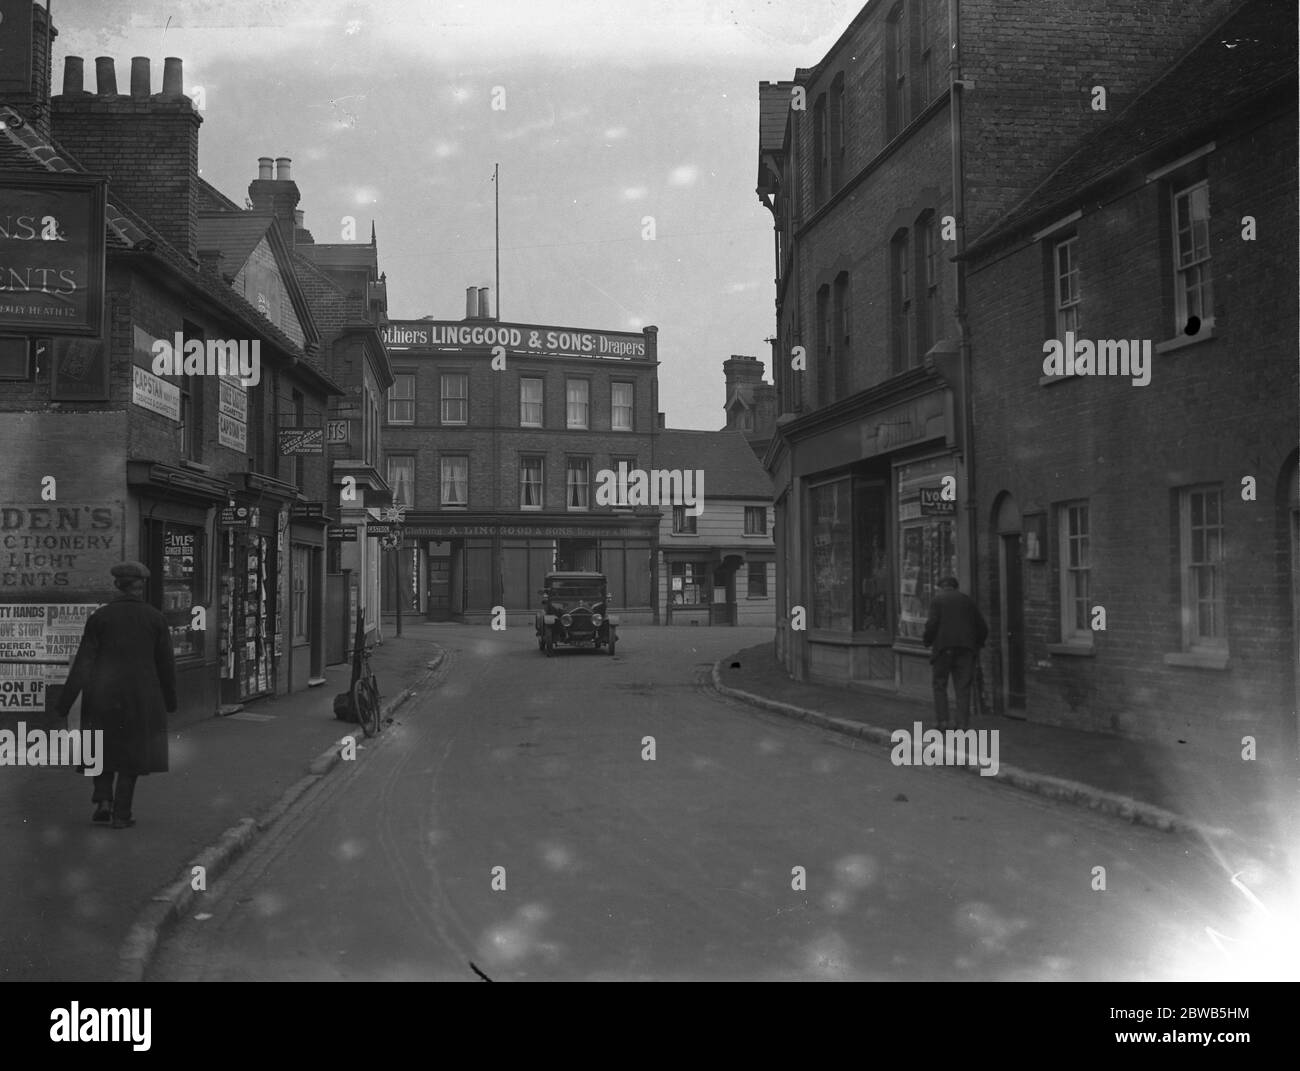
278,196
471,302
148,144
484,309
29,30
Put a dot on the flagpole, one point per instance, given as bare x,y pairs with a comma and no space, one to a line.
496,181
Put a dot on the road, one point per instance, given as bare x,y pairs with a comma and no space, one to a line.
512,823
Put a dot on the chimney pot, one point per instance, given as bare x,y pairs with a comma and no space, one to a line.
139,76
484,309
297,217
264,165
105,76
471,302
173,81
282,168
74,75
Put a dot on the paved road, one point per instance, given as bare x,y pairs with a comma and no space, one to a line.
681,867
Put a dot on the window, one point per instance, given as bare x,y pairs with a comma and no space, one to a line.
927,543
925,40
837,130
576,393
898,62
621,477
1065,270
455,481
902,302
755,520
401,478
690,583
825,348
455,398
621,406
182,586
296,462
301,566
1076,564
1201,543
843,334
821,150
530,403
191,444
530,483
401,399
684,523
1193,292
577,483
757,587
929,329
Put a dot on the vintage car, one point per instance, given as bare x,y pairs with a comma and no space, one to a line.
573,613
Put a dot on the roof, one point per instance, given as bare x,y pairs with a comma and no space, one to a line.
236,234
335,255
730,468
773,112
1248,54
215,200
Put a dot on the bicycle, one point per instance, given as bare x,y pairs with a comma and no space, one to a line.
365,695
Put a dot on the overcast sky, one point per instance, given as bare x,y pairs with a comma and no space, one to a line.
614,110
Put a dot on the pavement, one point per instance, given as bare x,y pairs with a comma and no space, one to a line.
80,902
1242,809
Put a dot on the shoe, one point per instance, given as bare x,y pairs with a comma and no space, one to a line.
123,823
103,812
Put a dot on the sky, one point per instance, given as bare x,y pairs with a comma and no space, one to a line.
606,112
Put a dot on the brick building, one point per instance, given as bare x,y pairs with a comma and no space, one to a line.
1162,495
182,468
751,402
499,467
923,124
716,567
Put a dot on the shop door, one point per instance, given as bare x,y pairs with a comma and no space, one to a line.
438,596
1012,641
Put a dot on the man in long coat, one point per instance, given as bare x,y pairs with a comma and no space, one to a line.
955,631
126,677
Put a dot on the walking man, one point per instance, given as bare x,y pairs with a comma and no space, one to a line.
955,631
126,677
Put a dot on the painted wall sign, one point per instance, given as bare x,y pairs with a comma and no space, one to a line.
68,544
302,441
155,394
344,533
337,431
52,253
453,336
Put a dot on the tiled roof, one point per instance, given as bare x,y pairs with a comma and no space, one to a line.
236,234
1248,54
340,255
213,200
730,468
330,305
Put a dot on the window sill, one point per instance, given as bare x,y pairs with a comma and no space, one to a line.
686,535
1198,659
754,535
1075,650
1205,334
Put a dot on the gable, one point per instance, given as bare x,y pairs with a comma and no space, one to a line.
263,286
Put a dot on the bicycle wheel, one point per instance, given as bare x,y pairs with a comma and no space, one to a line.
366,704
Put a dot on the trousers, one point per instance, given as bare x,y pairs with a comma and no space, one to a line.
120,796
959,664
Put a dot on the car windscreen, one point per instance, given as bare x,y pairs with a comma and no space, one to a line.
576,591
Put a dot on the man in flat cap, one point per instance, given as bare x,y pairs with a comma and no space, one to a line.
126,677
955,631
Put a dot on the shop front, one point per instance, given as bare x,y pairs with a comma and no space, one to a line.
474,565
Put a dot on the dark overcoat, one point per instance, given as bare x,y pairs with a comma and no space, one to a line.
126,677
954,621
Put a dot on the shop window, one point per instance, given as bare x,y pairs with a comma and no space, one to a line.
756,520
927,540
684,523
182,586
401,399
757,586
690,584
832,555
15,358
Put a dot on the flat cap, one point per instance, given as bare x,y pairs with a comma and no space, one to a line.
130,571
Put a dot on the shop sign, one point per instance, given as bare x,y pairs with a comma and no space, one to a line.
233,399
933,504
52,249
239,517
307,510
456,531
337,432
155,394
531,340
70,546
375,529
302,441
344,533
